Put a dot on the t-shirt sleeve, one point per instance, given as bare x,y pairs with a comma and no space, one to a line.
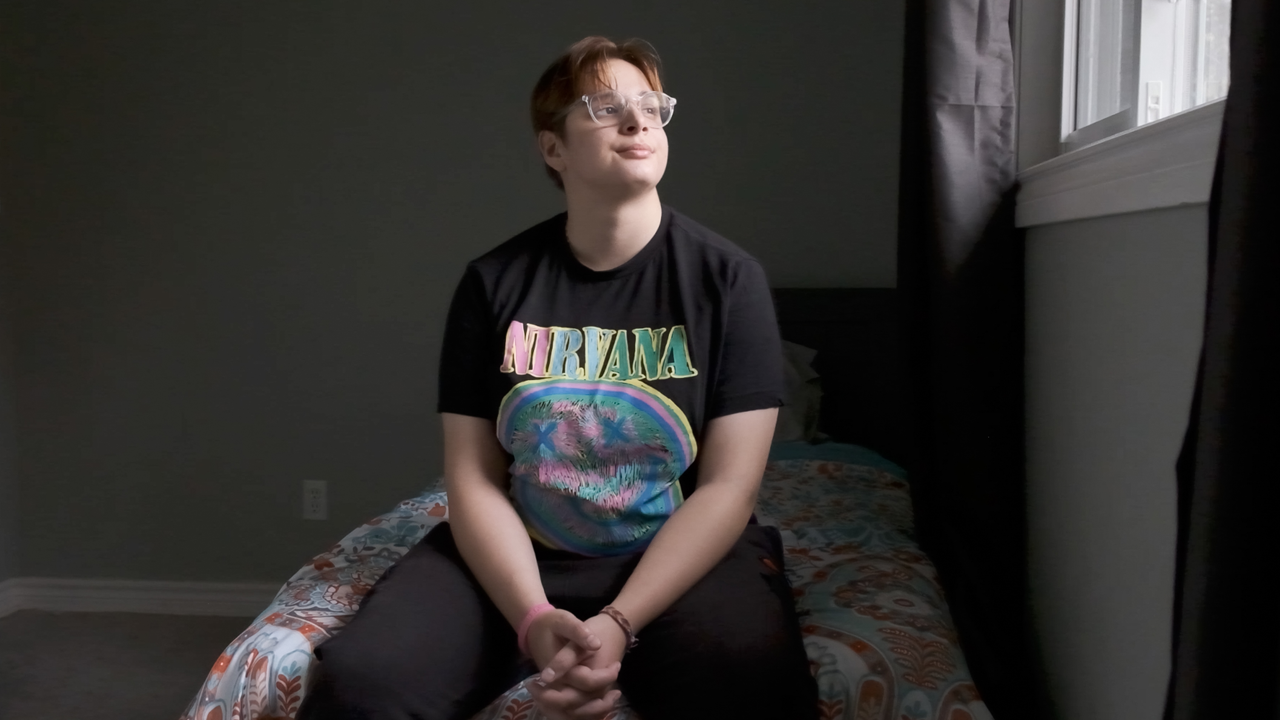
466,363
750,373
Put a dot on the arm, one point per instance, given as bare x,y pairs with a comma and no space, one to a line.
496,547
490,536
733,453
494,543
735,449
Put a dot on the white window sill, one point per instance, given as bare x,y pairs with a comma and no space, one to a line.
1163,164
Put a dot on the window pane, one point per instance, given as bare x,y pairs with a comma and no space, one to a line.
1185,54
1104,59
1207,73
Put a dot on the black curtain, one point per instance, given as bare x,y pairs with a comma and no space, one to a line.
960,275
1226,640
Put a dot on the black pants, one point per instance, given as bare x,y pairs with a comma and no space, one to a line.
428,643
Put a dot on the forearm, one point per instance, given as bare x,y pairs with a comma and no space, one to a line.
735,449
490,535
497,548
696,537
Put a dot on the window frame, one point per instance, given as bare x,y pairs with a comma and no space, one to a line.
1073,136
1164,163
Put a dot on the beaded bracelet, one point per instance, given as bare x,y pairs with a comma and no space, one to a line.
623,623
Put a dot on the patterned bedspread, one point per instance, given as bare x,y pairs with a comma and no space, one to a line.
880,640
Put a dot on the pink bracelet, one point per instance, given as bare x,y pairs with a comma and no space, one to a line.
522,635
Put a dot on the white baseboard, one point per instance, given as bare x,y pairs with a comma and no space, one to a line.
135,596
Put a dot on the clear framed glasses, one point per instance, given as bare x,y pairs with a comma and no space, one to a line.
608,106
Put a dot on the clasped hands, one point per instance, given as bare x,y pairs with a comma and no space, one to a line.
580,662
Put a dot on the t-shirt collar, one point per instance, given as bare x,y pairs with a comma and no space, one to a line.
637,261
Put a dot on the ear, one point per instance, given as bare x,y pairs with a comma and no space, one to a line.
552,149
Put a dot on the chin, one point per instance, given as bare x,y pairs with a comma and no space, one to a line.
627,180
639,187
647,177
629,185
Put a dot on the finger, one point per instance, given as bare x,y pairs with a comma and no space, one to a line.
538,692
598,708
558,699
575,631
591,681
536,689
567,657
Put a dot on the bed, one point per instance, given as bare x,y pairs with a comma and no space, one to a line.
879,637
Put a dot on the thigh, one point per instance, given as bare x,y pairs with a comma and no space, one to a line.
730,647
427,642
583,585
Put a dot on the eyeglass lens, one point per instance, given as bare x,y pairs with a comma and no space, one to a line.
608,107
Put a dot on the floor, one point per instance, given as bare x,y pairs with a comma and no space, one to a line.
106,666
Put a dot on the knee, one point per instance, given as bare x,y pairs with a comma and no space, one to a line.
350,685
754,640
330,694
740,652
367,677
757,652
744,674
752,625
347,678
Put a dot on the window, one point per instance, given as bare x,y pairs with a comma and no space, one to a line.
1131,62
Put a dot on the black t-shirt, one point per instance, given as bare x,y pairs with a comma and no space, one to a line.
600,382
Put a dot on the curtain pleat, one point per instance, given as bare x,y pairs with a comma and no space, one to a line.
1226,634
960,275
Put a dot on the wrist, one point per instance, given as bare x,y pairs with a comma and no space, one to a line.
522,632
626,605
620,620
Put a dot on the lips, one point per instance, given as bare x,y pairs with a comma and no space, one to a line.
636,151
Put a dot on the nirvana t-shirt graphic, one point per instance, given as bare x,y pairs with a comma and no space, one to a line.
598,453
599,384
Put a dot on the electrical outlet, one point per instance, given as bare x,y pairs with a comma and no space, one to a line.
315,500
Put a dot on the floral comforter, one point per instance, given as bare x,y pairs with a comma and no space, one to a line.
880,640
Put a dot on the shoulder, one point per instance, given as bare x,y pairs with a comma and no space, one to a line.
695,242
518,253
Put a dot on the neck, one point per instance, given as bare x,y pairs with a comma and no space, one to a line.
604,234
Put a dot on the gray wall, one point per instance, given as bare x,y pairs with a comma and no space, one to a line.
236,227
9,550
1115,309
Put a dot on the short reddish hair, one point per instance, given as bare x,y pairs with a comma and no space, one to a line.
582,67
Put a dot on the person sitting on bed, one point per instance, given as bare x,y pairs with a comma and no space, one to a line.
609,383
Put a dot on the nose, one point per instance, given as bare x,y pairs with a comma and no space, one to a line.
632,121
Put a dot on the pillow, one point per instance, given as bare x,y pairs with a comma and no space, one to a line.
802,393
